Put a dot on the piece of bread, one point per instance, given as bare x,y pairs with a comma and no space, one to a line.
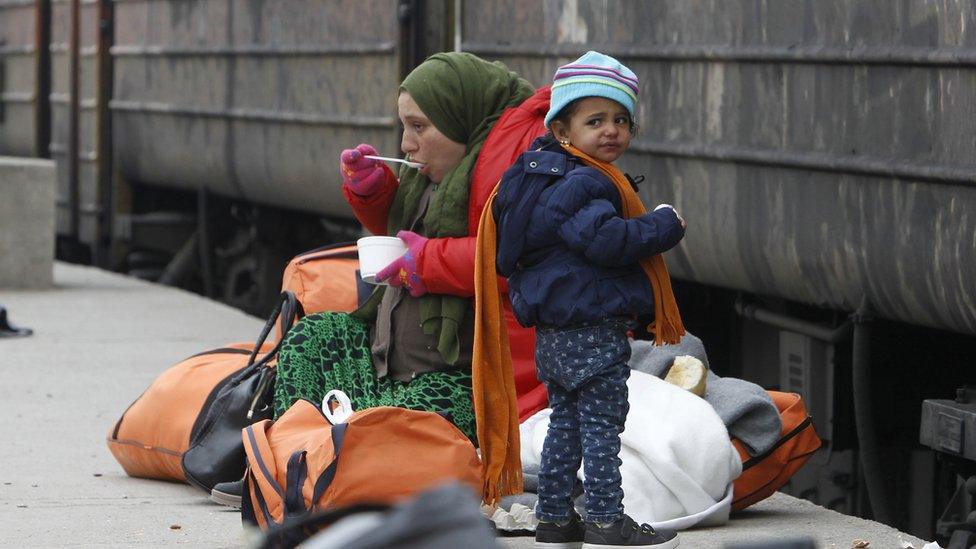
688,373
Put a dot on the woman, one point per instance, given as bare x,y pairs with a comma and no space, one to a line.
410,345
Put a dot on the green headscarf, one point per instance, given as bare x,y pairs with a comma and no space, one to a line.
462,95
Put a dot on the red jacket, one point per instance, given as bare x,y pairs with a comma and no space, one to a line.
447,264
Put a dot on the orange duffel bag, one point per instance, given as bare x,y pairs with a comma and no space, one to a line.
197,408
325,279
153,433
302,462
765,473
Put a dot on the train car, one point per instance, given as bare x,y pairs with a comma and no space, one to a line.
823,155
24,70
822,152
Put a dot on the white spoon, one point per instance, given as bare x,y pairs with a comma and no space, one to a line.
417,165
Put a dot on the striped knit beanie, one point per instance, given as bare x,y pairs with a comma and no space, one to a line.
592,75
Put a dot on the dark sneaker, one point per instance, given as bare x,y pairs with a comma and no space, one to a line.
549,535
228,493
627,533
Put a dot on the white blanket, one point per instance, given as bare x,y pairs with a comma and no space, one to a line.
678,463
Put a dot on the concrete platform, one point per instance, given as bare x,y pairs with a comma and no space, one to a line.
99,340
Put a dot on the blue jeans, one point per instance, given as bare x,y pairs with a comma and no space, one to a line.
585,371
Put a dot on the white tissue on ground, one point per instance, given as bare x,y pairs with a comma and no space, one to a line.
519,517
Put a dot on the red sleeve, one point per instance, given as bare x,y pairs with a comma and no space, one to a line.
447,266
372,210
511,135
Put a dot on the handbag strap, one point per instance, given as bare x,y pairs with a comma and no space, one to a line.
287,308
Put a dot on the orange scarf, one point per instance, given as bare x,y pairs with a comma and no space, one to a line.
492,379
493,383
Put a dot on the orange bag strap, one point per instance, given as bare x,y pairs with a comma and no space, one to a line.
298,472
262,470
325,479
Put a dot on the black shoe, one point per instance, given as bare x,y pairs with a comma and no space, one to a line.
228,493
627,533
549,535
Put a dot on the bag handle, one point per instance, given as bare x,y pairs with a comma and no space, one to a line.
296,474
287,308
298,471
341,414
325,479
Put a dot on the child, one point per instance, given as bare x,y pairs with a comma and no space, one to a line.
580,268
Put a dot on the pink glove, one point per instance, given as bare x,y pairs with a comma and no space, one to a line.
403,270
363,176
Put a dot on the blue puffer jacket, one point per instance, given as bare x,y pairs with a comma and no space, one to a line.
568,254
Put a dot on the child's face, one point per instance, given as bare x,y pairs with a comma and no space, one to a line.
600,127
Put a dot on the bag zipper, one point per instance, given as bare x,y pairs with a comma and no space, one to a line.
228,350
324,251
796,431
328,255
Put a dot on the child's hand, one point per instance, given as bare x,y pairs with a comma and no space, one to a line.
363,176
684,224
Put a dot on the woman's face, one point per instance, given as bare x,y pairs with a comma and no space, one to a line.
423,142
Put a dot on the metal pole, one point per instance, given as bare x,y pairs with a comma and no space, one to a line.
73,121
868,450
42,79
203,242
792,324
458,29
103,136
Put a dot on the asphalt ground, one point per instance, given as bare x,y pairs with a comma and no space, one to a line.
100,339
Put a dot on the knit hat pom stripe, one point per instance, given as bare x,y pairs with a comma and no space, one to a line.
601,81
618,74
602,74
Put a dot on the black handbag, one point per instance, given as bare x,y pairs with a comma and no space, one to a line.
216,452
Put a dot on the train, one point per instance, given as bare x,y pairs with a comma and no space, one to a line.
822,151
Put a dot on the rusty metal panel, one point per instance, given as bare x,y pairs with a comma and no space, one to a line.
253,99
821,150
18,100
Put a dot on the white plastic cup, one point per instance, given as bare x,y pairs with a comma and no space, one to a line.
376,252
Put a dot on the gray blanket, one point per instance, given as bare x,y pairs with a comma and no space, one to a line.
745,408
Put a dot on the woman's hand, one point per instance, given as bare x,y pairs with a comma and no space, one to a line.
404,271
363,176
